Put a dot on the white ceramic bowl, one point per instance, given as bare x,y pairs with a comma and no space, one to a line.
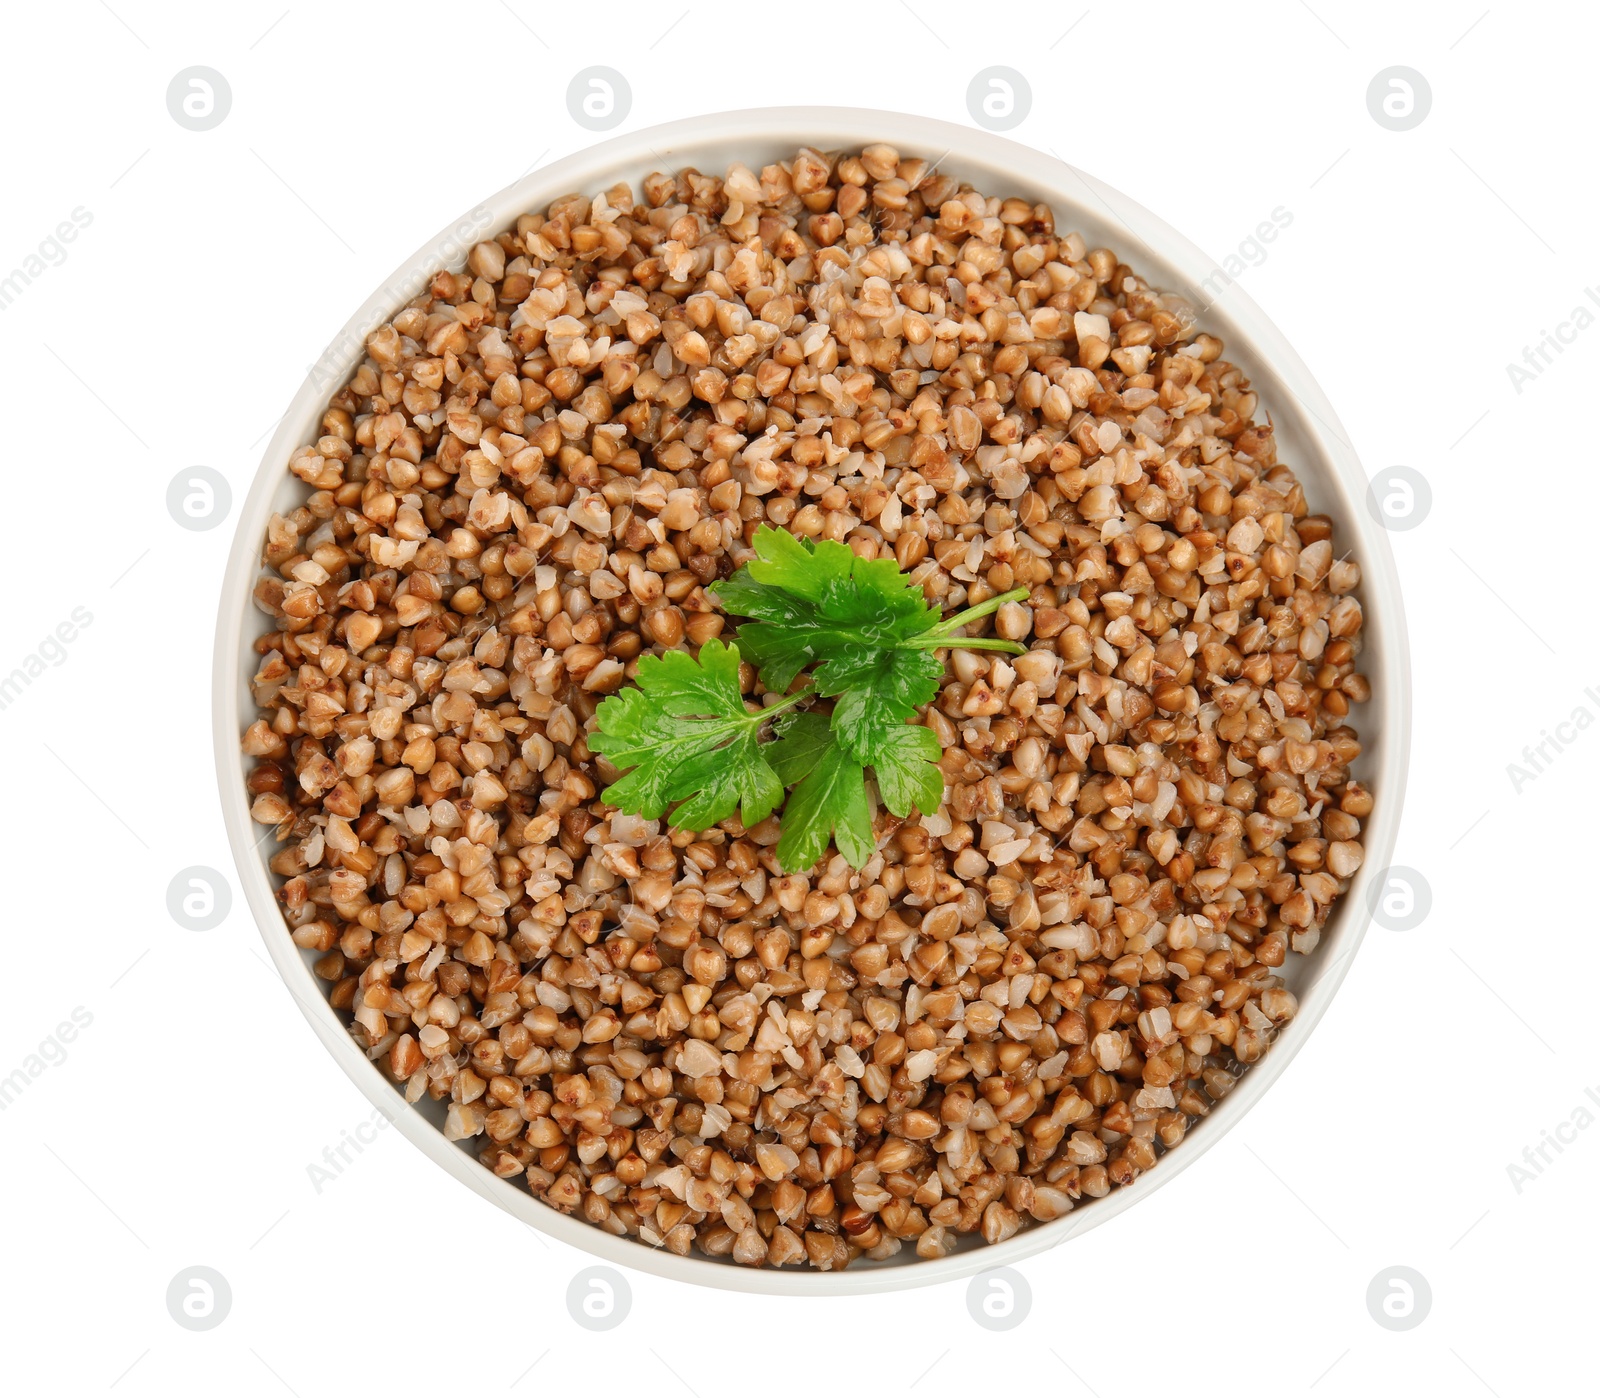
1310,440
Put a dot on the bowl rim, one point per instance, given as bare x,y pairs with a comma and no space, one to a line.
1278,371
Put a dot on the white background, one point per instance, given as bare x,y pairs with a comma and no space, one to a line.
179,1129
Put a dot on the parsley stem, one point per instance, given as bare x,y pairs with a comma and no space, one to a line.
950,623
805,692
941,634
933,642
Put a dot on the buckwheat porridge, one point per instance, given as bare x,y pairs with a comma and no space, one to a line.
537,478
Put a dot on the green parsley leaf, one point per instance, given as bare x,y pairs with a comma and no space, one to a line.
821,602
908,774
876,701
685,738
906,763
801,566
803,741
862,623
742,595
686,734
830,800
779,650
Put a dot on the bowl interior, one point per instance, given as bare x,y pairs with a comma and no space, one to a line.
1310,441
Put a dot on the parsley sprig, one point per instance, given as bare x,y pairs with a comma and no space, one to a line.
867,635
